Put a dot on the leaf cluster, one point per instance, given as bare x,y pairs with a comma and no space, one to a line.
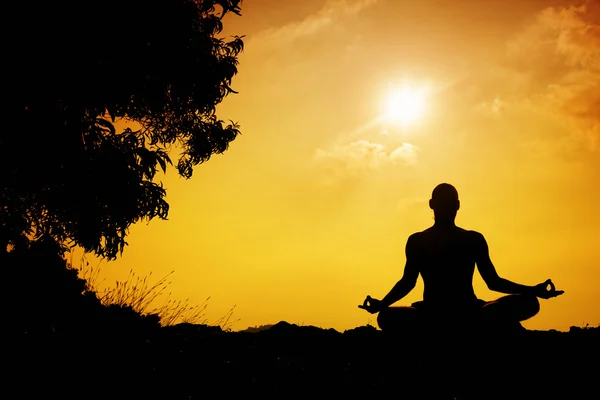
100,92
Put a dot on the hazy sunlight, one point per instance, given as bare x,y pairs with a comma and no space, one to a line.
404,104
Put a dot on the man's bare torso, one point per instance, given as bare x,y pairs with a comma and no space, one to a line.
446,259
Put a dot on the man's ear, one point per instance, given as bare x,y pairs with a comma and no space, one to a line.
457,205
431,204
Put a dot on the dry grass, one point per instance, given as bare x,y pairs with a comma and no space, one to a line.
143,296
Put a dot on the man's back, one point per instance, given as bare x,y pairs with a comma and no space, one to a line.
446,257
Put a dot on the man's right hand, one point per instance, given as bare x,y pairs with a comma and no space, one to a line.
546,290
371,305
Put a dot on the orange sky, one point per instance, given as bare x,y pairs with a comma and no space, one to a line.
310,208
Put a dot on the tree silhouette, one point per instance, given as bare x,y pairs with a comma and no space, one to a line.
75,69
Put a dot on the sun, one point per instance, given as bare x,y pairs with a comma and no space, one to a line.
404,105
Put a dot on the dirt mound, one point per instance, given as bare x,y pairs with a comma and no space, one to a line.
189,361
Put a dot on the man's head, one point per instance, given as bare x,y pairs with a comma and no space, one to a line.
444,202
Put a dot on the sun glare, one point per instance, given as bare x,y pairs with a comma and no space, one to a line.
404,105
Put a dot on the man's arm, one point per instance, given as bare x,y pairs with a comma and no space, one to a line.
409,277
490,275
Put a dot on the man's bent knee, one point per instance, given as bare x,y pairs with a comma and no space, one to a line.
530,305
383,319
398,318
513,307
525,305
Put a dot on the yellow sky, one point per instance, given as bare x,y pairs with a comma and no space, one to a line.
310,208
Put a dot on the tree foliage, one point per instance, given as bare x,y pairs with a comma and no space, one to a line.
78,69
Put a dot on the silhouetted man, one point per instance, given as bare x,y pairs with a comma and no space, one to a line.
446,255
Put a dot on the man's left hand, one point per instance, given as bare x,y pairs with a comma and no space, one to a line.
546,290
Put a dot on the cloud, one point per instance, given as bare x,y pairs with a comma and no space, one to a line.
412,203
331,12
362,156
559,56
492,108
406,153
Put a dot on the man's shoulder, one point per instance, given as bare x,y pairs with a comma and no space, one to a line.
424,232
473,233
431,229
475,237
415,238
417,235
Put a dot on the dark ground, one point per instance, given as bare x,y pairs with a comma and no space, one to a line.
288,361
